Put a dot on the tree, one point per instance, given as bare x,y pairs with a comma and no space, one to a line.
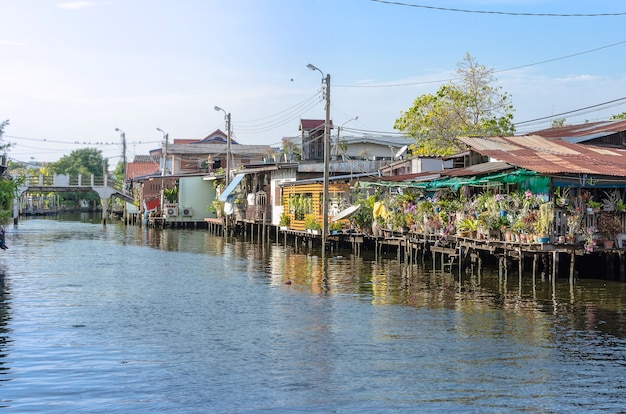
85,162
557,123
8,186
619,116
291,149
469,108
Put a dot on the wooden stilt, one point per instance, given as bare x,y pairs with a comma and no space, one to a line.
571,265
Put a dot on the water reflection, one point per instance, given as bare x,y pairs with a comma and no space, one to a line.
171,317
582,305
5,317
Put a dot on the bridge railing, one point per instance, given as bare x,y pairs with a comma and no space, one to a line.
71,181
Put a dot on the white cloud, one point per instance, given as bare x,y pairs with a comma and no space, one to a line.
11,43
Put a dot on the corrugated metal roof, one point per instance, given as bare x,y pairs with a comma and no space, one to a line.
205,149
584,132
478,169
548,156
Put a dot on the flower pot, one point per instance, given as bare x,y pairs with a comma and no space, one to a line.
544,239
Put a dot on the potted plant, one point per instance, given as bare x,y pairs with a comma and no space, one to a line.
171,194
561,196
543,225
336,227
609,203
285,221
594,205
311,224
589,238
216,207
609,225
467,227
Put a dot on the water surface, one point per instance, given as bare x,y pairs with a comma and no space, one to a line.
129,319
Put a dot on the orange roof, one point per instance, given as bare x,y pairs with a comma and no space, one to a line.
140,169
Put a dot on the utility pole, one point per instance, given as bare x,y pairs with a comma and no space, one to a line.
123,136
326,80
326,164
166,138
228,149
228,132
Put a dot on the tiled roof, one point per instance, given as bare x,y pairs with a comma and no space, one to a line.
140,169
551,156
215,137
309,124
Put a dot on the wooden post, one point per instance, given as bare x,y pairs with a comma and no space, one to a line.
622,277
571,265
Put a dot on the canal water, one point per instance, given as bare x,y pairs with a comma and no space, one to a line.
127,319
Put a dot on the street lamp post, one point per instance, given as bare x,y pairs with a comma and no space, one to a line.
166,138
227,116
123,136
325,80
338,133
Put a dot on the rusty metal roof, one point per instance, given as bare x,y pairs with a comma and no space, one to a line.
478,169
584,132
551,156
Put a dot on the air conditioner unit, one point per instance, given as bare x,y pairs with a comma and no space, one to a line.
187,211
171,211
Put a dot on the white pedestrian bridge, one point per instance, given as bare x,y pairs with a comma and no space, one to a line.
106,187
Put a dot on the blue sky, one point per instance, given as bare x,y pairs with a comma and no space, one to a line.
73,71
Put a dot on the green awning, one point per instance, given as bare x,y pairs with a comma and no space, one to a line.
510,177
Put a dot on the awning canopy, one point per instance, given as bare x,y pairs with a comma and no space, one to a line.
233,184
151,204
346,213
509,177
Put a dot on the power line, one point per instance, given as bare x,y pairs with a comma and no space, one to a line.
77,142
393,85
305,101
397,3
294,112
599,106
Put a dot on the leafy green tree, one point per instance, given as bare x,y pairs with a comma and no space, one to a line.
468,108
558,123
291,148
85,162
119,173
619,116
8,186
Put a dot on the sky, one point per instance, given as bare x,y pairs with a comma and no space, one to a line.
72,72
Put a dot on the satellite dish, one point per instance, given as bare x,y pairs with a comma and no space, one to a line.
401,151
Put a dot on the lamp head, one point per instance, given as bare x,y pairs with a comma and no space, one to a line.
217,108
